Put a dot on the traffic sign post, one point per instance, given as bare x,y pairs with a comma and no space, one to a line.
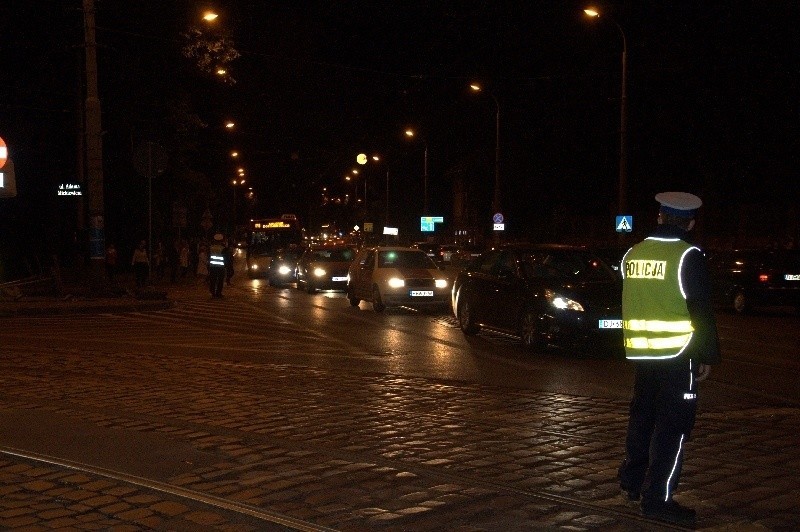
624,224
498,222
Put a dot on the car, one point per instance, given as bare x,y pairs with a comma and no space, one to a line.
282,268
395,276
743,279
431,249
465,253
545,294
446,253
324,268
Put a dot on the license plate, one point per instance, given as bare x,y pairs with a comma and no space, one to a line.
336,279
610,324
792,276
421,293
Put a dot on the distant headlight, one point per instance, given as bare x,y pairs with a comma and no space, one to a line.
319,272
441,283
284,270
561,302
396,282
254,266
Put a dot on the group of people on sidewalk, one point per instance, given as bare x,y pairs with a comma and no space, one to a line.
178,258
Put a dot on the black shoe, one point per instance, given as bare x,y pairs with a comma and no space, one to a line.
670,512
633,494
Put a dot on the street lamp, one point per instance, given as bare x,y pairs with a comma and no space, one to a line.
623,113
496,200
411,134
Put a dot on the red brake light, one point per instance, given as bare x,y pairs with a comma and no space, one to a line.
763,277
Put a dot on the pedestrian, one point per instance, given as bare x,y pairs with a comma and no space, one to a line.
184,258
671,337
216,265
159,260
173,257
111,261
202,261
141,264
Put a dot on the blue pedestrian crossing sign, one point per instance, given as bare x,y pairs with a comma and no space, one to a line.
624,224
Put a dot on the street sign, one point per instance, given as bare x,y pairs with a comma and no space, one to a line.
70,189
498,218
499,227
3,152
624,224
427,223
368,227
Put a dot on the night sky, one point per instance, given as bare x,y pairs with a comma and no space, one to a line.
712,102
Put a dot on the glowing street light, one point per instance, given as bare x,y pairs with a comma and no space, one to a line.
210,16
229,124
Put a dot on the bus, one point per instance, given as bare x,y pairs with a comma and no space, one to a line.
268,236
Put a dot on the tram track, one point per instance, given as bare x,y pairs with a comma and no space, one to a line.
227,505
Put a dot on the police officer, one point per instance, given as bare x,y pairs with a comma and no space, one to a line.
671,336
217,262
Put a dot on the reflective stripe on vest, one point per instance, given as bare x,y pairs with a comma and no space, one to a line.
215,256
656,322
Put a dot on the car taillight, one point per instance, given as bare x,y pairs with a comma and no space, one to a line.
763,277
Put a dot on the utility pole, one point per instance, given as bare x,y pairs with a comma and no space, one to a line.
94,152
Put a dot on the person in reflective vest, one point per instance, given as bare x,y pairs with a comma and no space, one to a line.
217,262
670,334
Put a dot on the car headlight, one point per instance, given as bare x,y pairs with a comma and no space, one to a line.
254,266
396,282
284,270
441,283
319,272
561,302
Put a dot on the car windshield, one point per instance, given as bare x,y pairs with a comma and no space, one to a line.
565,265
404,259
333,255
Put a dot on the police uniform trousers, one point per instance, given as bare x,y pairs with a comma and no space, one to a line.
662,414
216,279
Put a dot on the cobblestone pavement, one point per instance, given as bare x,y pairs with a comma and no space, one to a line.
139,440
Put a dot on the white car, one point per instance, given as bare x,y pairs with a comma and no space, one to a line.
395,276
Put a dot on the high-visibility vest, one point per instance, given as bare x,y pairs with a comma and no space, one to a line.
655,319
216,259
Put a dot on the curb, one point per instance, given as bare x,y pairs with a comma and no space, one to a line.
49,308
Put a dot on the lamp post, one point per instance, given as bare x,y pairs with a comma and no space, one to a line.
236,183
623,114
411,133
362,159
496,208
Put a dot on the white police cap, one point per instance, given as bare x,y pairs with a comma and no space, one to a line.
679,203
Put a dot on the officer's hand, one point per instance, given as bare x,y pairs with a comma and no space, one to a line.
703,371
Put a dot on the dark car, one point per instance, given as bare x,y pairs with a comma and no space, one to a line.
545,294
283,267
324,268
747,278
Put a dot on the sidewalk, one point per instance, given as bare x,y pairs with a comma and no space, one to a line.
76,298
